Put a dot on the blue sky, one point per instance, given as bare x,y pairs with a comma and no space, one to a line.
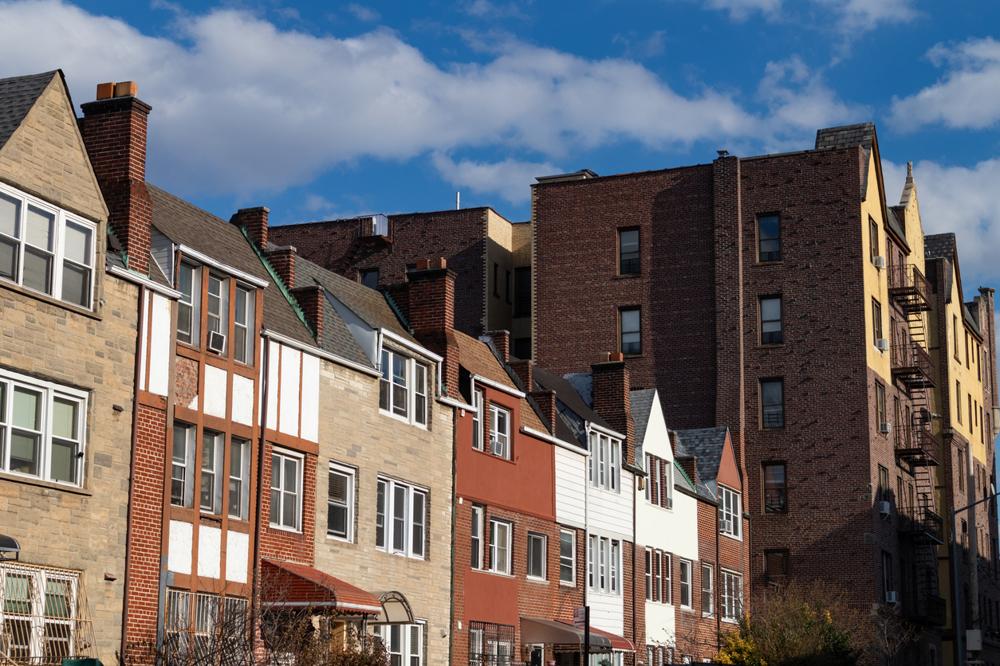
332,109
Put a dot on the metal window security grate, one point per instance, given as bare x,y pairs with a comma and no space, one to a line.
43,616
491,644
201,628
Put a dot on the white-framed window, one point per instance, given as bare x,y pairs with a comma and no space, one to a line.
189,305
685,583
401,518
476,537
657,575
707,589
606,659
210,497
38,617
42,429
604,564
243,325
340,502
605,461
730,513
403,387
475,646
499,431
404,643
286,490
537,555
649,574
46,249
477,419
659,482
182,465
500,546
668,591
567,557
239,478
218,304
732,595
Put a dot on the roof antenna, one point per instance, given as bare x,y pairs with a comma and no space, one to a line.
458,200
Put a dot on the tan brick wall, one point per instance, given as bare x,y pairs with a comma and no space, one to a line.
83,530
353,432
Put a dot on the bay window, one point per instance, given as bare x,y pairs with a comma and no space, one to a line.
730,513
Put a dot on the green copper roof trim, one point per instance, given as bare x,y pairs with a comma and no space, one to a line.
282,287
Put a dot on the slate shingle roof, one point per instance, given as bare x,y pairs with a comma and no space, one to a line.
186,224
845,136
939,246
705,445
17,95
642,406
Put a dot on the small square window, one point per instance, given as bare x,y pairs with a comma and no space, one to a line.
369,277
776,563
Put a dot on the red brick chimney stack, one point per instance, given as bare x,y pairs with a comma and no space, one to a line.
546,401
254,220
501,342
282,260
430,302
311,299
611,396
524,371
114,130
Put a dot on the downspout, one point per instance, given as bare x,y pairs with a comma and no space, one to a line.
131,475
635,549
718,574
261,447
587,555
454,511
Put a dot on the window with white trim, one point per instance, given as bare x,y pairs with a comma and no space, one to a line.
500,546
189,304
732,595
182,466
477,419
340,502
537,554
605,461
686,584
730,513
210,498
402,390
404,643
239,478
38,616
500,431
401,519
45,249
42,429
659,482
668,591
218,305
286,490
567,557
604,564
707,591
243,325
476,537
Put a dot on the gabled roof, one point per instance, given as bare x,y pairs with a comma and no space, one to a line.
17,95
642,406
186,224
336,337
706,446
845,136
940,246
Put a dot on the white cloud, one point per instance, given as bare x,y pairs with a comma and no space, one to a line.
241,106
850,16
967,97
642,47
739,10
962,200
510,179
487,9
362,12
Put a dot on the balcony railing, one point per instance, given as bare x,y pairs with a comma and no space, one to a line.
911,363
909,288
923,523
915,441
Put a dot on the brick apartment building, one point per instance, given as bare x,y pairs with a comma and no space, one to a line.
756,294
490,255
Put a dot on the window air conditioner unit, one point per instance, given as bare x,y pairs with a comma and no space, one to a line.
884,508
377,225
880,262
725,525
216,342
885,427
882,344
891,597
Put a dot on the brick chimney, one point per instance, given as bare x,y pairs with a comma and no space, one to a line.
282,260
546,401
114,130
612,401
310,299
524,371
430,300
501,342
690,467
254,220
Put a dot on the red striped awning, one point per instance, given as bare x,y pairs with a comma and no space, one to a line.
617,642
293,584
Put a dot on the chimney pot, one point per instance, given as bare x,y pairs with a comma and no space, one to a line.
126,89
106,90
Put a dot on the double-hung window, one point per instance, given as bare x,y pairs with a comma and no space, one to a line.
500,546
772,403
685,583
403,387
401,519
730,513
218,305
771,330
189,304
46,249
630,331
340,502
732,595
768,238
659,482
404,643
628,252
649,574
707,591
775,488
211,472
657,575
182,466
38,616
605,461
239,478
876,321
477,420
668,590
567,557
500,431
286,490
42,429
604,564
243,325
537,554
476,537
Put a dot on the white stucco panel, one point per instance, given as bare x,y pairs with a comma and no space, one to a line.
179,547
160,350
310,398
209,551
237,556
273,354
242,400
660,624
144,330
215,391
289,394
571,475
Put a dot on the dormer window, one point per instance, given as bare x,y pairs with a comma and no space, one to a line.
219,307
243,325
189,306
403,388
45,249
